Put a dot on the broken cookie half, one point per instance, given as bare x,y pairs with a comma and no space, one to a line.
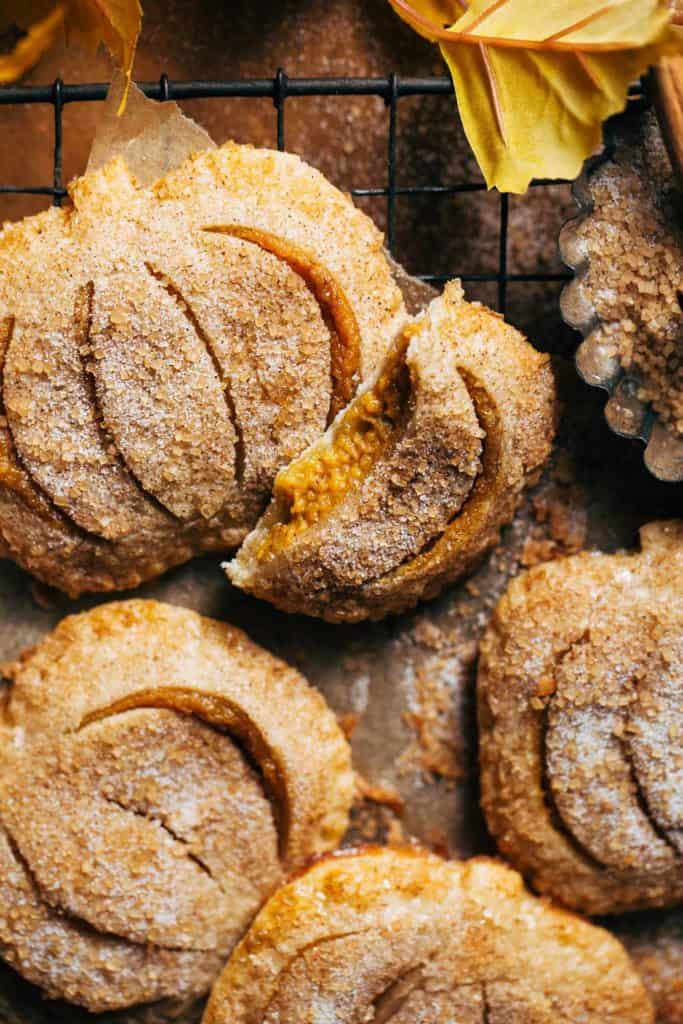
412,481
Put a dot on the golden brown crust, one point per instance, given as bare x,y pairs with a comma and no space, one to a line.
372,530
64,960
45,383
159,394
154,386
278,194
42,539
583,665
402,936
160,772
273,418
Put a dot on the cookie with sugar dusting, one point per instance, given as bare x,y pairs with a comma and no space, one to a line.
580,694
627,250
403,937
161,774
191,339
414,479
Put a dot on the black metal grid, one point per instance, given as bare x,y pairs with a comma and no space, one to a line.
281,88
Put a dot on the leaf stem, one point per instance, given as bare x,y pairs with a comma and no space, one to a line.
495,95
495,6
580,24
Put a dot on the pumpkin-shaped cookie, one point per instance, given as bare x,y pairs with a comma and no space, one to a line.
160,775
403,937
580,692
189,340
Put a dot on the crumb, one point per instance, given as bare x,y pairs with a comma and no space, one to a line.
435,750
545,686
387,796
374,820
348,722
561,519
428,634
537,550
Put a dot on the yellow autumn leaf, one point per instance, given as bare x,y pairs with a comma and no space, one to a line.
437,14
115,22
535,80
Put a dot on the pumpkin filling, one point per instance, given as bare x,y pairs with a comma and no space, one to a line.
308,489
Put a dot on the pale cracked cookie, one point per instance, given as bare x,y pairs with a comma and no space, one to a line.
580,693
190,340
160,775
413,481
403,937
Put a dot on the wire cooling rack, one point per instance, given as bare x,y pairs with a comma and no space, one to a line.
280,89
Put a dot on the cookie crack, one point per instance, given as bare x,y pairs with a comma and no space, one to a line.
556,819
640,796
191,317
488,464
390,1002
486,1009
162,822
642,800
83,927
15,459
83,314
395,997
301,952
226,717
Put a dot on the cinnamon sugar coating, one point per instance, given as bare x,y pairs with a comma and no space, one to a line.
401,936
630,249
191,339
412,482
160,773
580,692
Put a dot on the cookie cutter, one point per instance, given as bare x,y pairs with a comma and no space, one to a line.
596,360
